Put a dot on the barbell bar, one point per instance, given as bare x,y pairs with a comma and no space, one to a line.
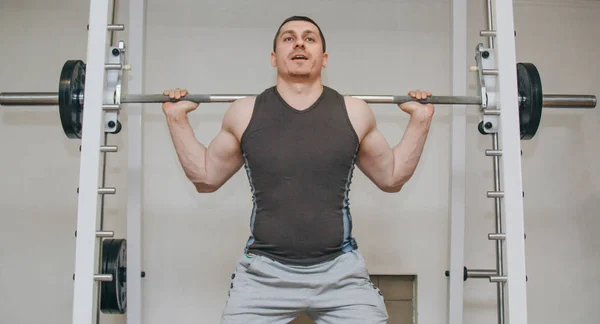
51,99
71,97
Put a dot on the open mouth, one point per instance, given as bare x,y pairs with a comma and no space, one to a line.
299,57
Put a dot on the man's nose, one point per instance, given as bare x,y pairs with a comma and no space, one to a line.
300,42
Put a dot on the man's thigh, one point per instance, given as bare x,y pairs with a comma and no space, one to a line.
349,297
258,294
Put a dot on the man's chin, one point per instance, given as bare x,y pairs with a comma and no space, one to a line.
299,74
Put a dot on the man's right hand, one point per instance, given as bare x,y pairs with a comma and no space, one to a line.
179,108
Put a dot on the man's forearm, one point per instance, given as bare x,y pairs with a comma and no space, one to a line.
191,153
408,152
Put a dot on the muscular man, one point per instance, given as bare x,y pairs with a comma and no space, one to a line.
299,142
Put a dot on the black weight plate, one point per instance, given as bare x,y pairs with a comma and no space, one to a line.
107,299
113,298
532,99
70,86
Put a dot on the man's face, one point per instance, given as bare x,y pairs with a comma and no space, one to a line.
299,50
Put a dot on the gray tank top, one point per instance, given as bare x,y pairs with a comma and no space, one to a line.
299,164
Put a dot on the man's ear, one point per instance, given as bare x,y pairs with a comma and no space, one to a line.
273,63
325,59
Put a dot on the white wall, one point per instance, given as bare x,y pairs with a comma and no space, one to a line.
190,241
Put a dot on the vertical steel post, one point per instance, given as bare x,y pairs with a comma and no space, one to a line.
511,175
137,27
458,161
87,244
497,187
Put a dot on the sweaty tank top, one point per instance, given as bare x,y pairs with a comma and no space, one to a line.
299,164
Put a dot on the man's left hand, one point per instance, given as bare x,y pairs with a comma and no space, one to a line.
417,109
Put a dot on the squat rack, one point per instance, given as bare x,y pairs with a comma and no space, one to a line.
506,141
500,102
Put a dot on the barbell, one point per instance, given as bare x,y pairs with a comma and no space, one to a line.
71,98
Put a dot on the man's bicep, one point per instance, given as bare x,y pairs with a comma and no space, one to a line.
224,158
224,154
375,158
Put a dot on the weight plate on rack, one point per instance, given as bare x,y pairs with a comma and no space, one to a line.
531,99
70,107
114,261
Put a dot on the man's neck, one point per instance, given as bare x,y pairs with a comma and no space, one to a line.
300,95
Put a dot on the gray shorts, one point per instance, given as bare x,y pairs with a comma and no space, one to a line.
338,291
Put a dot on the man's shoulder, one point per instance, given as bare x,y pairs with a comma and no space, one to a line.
244,102
355,101
238,115
350,101
358,110
359,113
357,107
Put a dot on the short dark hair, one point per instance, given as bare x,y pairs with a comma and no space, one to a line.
298,18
